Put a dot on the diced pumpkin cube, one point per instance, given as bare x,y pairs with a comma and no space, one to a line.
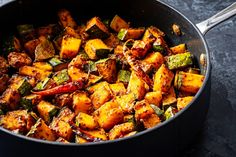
112,41
62,128
80,140
66,19
142,110
97,86
163,79
47,111
43,66
66,115
93,79
183,102
96,48
82,103
130,33
86,122
188,82
16,121
95,135
118,89
11,97
181,48
76,73
118,23
169,98
140,48
148,37
63,100
151,121
101,96
118,131
40,130
70,47
152,60
109,115
137,86
126,102
154,98
96,29
107,69
178,61
34,72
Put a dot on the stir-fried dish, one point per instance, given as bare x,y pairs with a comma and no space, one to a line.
103,80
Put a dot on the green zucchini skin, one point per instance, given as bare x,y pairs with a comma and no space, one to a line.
29,102
179,61
24,88
124,76
96,32
61,77
170,112
55,61
42,84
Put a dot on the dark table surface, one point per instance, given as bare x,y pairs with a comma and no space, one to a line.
218,137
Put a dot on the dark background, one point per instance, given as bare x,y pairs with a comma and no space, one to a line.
218,137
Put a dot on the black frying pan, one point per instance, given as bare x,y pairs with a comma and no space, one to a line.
166,139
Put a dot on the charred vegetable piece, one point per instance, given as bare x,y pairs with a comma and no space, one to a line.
3,65
179,61
140,48
61,77
86,122
90,67
17,60
151,121
66,19
137,86
96,29
112,41
109,115
47,111
130,33
95,48
93,79
107,69
42,84
157,110
193,70
34,72
163,79
11,97
154,98
40,130
49,31
188,82
11,44
181,48
93,135
70,47
169,98
126,102
24,87
62,140
82,103
30,46
57,64
63,100
118,23
157,46
120,130
30,101
43,65
124,76
183,102
66,88
44,50
170,112
148,37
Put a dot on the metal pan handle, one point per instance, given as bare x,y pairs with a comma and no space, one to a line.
206,25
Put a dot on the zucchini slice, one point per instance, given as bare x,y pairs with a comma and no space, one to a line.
96,29
118,23
170,112
58,64
124,76
24,87
30,101
130,33
61,77
42,84
179,61
95,49
169,98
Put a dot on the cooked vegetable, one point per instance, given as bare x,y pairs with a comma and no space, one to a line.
176,29
163,79
44,50
81,83
69,47
107,69
95,48
96,29
118,23
47,111
17,60
188,82
130,33
179,61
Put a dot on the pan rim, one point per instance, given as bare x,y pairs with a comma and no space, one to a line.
207,77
